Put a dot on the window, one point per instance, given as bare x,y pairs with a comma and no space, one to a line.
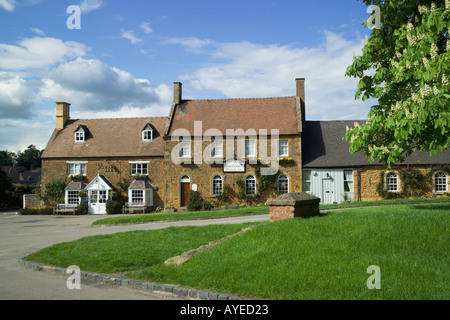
185,149
217,185
250,148
348,181
217,149
306,181
283,184
147,134
250,185
137,196
76,168
102,196
79,135
139,168
440,182
283,148
391,182
73,198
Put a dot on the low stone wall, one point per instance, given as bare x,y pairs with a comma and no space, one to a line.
293,205
32,201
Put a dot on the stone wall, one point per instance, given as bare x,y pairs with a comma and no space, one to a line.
201,174
367,178
115,170
32,201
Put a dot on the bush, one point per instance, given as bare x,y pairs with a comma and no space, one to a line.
113,207
82,208
195,201
206,206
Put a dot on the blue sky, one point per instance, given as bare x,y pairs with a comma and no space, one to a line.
123,60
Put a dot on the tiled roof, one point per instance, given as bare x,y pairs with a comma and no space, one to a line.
323,147
121,137
223,114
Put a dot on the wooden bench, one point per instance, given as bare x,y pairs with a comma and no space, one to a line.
63,209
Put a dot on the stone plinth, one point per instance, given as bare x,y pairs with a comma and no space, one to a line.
293,205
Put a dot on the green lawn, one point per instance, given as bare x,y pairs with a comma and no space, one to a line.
324,257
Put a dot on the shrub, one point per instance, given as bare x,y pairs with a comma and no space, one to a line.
195,201
54,192
82,208
113,207
206,206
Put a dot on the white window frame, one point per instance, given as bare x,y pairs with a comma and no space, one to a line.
137,195
139,167
392,184
282,178
217,149
78,168
250,148
184,149
73,198
440,182
250,185
147,134
217,185
306,174
79,136
283,148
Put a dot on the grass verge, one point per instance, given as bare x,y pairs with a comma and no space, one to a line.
324,257
183,215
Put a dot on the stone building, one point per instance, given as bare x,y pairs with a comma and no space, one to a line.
106,155
229,150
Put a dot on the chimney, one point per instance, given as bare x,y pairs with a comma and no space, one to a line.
62,114
177,92
300,93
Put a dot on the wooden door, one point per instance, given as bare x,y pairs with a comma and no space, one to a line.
185,187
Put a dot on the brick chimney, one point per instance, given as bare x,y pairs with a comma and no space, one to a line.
62,114
300,93
177,96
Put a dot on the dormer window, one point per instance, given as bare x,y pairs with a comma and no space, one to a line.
80,135
147,133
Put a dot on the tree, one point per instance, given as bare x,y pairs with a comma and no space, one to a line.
30,159
6,188
6,158
405,65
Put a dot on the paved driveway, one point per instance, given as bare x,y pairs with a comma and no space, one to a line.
23,235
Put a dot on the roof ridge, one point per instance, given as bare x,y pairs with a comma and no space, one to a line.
119,118
226,99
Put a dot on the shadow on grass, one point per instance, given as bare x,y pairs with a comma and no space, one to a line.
442,207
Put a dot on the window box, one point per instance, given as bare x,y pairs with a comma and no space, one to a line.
285,159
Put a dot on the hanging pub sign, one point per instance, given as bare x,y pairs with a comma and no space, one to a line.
233,165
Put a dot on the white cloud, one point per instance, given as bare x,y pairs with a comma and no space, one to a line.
38,53
146,27
16,97
244,69
8,5
90,5
130,36
91,85
38,31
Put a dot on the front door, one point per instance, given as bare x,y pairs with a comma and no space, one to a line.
97,201
185,187
327,190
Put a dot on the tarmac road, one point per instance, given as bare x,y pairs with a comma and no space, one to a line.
23,235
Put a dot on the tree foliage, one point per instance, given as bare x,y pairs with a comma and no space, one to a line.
405,65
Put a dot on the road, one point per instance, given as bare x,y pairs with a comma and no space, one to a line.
23,235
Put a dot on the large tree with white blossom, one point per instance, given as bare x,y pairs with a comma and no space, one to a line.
405,66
